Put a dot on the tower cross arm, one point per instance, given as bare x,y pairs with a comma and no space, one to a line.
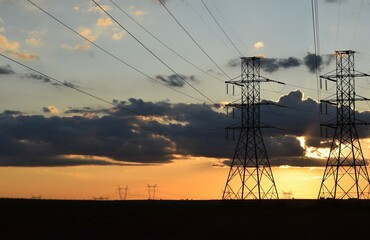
239,128
272,103
261,80
329,101
334,77
272,80
361,98
329,125
244,105
361,122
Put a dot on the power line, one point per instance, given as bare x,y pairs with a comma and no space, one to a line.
73,87
112,55
164,44
237,36
316,40
63,83
151,52
183,28
127,109
208,26
358,19
99,98
338,23
294,117
218,24
289,107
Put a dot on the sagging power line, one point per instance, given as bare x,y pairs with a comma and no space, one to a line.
117,105
196,43
164,44
152,53
110,54
219,25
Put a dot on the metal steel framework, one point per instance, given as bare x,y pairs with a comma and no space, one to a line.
124,190
250,175
151,191
345,174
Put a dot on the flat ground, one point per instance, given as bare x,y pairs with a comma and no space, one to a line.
278,219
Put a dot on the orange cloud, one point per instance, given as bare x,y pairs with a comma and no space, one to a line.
139,13
34,38
104,22
13,48
260,56
51,109
118,35
78,47
33,41
97,9
87,33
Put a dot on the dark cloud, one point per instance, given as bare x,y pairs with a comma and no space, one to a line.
40,141
83,110
71,85
314,62
234,62
46,110
176,80
88,112
11,113
42,78
114,136
214,72
297,161
271,65
46,79
6,70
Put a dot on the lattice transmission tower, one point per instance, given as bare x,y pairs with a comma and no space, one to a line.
122,192
345,174
250,175
151,191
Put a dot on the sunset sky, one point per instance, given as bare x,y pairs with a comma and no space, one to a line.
61,143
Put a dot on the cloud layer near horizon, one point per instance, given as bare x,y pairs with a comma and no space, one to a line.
111,136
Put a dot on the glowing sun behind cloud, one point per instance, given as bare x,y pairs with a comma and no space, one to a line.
313,152
259,45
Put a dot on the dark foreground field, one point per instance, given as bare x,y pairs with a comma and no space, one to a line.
283,219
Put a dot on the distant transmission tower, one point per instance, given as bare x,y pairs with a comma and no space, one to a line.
250,175
345,174
151,191
122,192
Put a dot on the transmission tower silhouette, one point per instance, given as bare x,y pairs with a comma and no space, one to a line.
250,175
345,174
151,191
122,192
